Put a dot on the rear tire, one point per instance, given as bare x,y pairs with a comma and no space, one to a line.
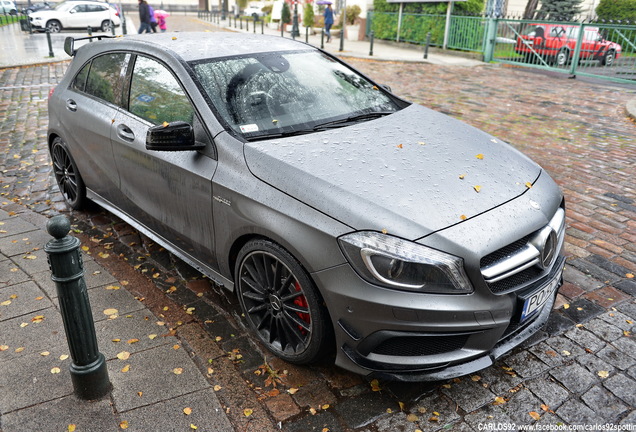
67,176
107,25
54,26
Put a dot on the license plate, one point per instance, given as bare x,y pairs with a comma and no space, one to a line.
537,299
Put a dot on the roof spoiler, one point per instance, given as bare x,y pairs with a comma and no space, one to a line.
69,42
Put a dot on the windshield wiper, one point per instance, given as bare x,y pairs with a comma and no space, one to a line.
280,134
352,119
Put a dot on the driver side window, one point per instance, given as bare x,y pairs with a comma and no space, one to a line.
155,94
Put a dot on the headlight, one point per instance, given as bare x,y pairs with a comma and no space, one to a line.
395,263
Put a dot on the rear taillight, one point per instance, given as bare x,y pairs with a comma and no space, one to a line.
51,92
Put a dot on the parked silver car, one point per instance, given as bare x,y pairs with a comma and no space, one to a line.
76,14
349,222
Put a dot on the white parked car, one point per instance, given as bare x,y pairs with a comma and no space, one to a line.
254,11
73,14
8,7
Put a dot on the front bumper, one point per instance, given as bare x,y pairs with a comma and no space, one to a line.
409,336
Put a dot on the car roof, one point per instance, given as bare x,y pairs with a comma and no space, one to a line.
193,46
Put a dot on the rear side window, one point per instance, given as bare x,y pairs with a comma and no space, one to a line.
106,77
155,94
79,83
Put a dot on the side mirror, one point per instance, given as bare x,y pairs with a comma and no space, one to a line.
69,45
175,136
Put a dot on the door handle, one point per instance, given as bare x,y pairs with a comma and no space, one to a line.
125,133
71,105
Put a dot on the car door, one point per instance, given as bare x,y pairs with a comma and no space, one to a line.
91,103
169,192
75,17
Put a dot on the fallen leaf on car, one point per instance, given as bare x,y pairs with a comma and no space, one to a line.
477,188
480,156
528,185
400,146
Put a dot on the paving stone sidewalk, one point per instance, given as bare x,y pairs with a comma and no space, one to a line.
580,370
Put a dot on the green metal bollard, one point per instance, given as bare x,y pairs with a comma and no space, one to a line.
48,39
371,38
88,368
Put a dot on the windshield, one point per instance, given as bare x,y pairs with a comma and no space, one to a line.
277,94
63,6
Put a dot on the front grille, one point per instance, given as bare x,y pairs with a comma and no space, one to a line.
516,281
521,263
504,252
412,346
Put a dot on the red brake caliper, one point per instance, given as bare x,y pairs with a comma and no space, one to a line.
302,302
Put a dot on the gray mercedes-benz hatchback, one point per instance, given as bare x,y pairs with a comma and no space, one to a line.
348,221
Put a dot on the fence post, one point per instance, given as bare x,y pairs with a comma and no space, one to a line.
491,37
88,369
48,38
577,49
428,43
371,37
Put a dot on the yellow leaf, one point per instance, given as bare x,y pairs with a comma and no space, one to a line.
124,424
71,428
433,419
3,347
5,303
499,401
191,425
152,336
112,287
110,311
217,387
603,374
528,185
475,378
23,325
401,406
247,412
124,355
37,319
325,407
545,408
566,353
462,176
44,353
312,411
55,370
375,385
63,357
103,255
412,418
19,350
132,341
566,306
177,371
125,368
140,394
176,347
187,411
535,415
292,391
30,257
171,289
477,188
629,275
463,217
116,340
85,248
218,338
400,146
479,156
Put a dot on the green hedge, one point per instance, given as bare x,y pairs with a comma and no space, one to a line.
616,10
414,27
467,7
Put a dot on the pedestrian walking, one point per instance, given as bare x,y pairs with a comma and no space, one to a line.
153,19
328,15
144,17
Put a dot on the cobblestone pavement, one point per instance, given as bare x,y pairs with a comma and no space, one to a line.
579,370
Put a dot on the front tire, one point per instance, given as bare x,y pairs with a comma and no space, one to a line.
563,57
608,58
54,26
67,176
281,303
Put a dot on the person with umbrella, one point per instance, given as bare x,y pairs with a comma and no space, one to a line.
161,15
328,15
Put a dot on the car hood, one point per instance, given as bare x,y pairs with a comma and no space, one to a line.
410,173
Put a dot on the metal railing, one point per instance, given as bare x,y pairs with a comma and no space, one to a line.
585,49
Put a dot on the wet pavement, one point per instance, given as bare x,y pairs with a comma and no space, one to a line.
579,370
